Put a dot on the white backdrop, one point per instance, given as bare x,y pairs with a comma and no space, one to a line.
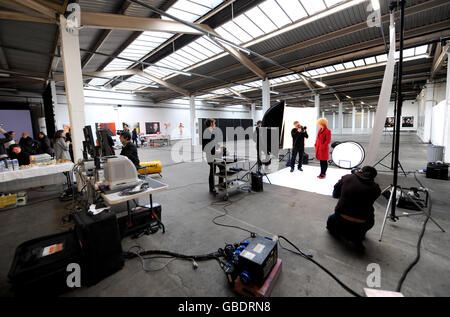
307,117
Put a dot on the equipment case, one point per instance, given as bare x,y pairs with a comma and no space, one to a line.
100,244
39,267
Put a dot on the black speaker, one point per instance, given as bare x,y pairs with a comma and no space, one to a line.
305,160
257,182
100,244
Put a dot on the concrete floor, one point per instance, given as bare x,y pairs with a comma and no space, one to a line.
187,213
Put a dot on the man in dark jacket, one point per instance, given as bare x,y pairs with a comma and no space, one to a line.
212,150
45,146
354,212
128,148
4,140
28,144
299,135
21,155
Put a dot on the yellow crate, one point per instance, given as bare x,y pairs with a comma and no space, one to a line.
8,201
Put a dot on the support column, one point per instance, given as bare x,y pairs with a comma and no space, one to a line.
253,112
317,105
362,118
265,95
70,49
334,121
192,119
353,119
368,119
373,118
428,104
341,119
323,114
447,116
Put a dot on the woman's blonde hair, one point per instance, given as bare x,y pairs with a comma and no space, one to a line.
322,121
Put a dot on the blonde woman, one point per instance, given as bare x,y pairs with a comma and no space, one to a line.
323,146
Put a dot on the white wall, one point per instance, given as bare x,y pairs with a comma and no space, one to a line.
430,96
103,108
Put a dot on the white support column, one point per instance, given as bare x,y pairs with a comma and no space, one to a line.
362,118
253,112
334,121
353,119
317,105
447,116
368,119
192,120
373,119
265,95
429,104
323,114
341,119
70,48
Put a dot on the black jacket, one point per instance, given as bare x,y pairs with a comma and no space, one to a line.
28,145
130,151
45,147
209,139
23,157
2,144
298,138
356,196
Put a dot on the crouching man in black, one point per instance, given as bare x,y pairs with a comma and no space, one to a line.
354,212
299,135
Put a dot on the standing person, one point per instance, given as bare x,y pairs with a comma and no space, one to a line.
134,137
69,139
211,148
3,141
298,145
12,134
45,145
129,149
28,144
323,146
61,146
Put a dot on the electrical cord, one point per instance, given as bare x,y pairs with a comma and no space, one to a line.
419,242
310,258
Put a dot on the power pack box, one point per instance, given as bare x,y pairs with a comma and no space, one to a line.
257,260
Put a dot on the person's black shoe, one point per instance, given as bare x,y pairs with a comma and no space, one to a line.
213,192
300,169
292,170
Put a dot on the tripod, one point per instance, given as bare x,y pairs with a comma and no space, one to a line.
394,217
390,167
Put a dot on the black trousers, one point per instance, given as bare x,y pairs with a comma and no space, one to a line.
135,141
351,230
211,175
296,151
323,167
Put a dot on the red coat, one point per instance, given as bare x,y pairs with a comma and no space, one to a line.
323,144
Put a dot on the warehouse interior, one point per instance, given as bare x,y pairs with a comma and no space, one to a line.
162,68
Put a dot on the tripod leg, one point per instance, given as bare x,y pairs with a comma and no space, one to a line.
388,207
401,167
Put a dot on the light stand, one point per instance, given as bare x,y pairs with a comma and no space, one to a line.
392,204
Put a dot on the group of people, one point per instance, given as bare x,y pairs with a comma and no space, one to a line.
299,134
22,150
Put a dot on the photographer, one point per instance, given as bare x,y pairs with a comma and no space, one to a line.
298,145
209,141
354,212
